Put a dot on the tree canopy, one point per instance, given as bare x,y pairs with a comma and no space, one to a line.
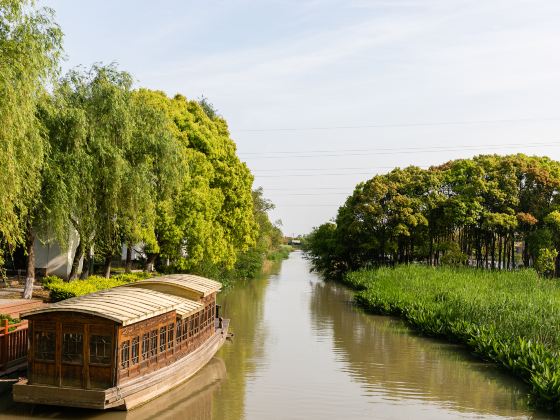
119,165
490,211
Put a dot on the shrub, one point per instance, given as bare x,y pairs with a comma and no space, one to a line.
545,261
60,290
11,321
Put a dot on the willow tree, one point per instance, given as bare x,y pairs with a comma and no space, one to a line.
64,176
30,46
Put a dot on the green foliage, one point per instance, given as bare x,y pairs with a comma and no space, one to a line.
510,318
30,47
453,255
60,290
465,212
545,261
9,318
118,165
282,253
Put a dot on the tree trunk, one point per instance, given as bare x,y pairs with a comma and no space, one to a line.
128,265
493,251
508,249
150,262
513,264
86,266
76,261
499,252
107,266
526,256
30,274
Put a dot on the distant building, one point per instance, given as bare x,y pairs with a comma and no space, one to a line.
50,259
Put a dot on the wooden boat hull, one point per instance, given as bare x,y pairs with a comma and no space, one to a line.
131,394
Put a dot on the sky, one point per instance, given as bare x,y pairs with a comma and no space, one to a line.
320,95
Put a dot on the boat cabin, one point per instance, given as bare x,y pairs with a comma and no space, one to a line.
107,339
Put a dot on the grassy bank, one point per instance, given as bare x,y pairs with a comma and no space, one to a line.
510,318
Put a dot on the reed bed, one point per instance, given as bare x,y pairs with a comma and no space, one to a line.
510,318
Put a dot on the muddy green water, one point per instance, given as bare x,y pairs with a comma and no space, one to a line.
303,351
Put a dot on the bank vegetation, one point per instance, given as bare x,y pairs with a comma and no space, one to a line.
510,318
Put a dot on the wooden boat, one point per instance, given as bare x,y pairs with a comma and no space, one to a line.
122,347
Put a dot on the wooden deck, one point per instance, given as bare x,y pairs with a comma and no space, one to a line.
14,307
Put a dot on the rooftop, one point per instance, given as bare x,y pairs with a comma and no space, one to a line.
190,282
124,305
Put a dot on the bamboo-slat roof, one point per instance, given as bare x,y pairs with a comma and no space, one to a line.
197,284
124,305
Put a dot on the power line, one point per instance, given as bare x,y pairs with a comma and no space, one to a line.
312,194
322,169
310,205
303,189
318,174
380,151
395,125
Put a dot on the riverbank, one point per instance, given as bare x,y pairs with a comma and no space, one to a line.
510,318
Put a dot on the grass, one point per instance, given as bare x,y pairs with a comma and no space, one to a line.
510,318
60,290
280,254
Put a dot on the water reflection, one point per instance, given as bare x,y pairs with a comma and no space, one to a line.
390,362
192,400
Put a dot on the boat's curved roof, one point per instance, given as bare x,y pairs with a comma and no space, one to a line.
190,282
124,305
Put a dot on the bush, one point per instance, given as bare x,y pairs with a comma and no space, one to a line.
11,321
510,318
60,290
545,261
280,254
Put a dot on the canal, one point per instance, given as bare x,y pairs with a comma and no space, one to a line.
302,351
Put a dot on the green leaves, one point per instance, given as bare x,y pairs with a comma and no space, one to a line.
486,206
30,46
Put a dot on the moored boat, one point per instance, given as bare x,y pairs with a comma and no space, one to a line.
122,347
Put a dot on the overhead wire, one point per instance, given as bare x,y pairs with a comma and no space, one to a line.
395,125
369,152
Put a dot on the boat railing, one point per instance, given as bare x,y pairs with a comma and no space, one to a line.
13,346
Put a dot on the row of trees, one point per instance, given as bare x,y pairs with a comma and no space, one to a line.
490,212
88,152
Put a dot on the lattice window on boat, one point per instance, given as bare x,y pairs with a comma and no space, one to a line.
203,319
179,336
135,349
45,345
185,328
196,322
191,326
153,342
125,354
145,346
162,339
100,349
73,348
170,331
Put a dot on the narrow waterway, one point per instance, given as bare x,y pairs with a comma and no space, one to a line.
303,351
